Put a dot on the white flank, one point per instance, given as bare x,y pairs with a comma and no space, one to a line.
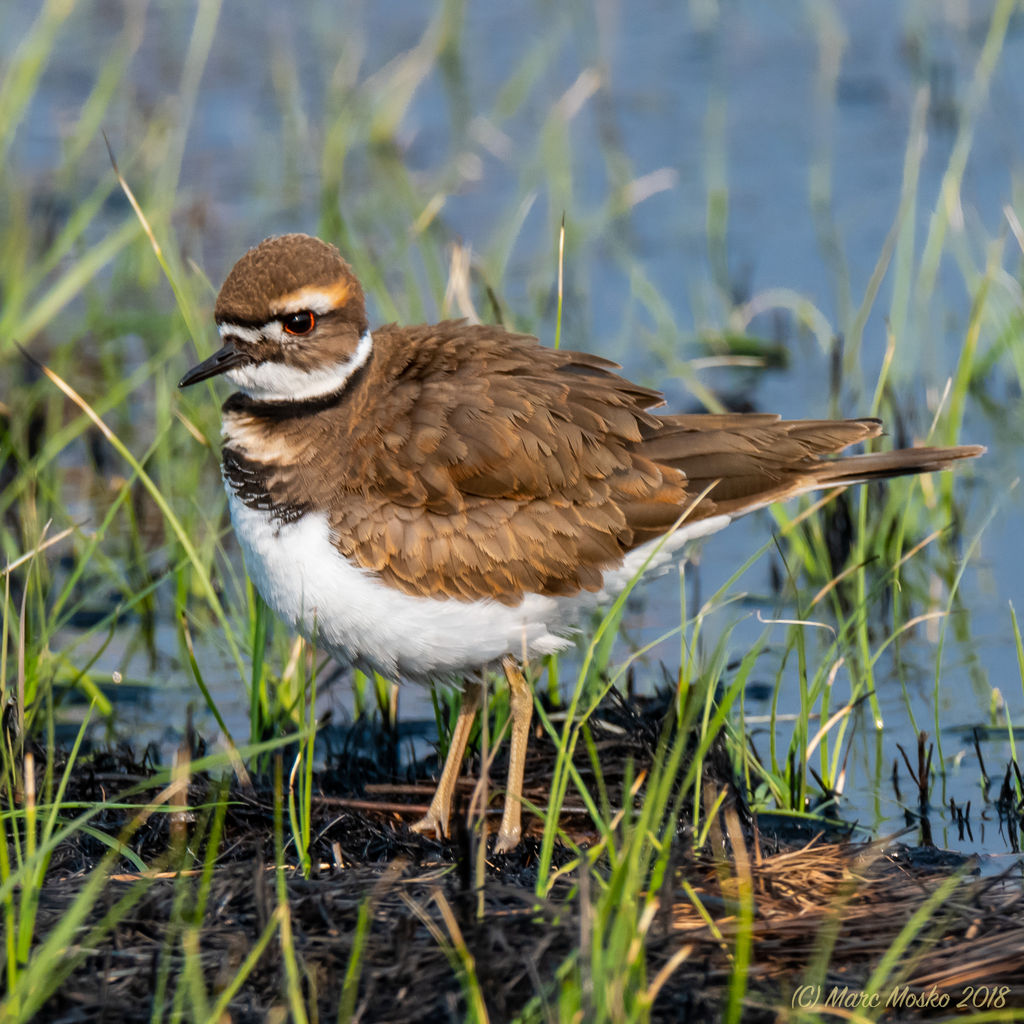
362,621
279,382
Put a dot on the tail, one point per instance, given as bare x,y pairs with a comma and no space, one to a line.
858,469
747,462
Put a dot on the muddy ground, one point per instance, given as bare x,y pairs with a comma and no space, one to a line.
826,908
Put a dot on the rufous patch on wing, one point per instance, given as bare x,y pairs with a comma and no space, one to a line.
315,298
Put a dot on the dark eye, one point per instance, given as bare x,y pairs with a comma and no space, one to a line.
298,323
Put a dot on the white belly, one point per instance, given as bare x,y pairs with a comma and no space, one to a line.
308,583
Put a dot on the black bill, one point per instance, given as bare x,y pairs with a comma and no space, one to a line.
223,359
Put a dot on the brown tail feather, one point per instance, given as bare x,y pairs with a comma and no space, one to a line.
848,470
852,469
742,481
741,462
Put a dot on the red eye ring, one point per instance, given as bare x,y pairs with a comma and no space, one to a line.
298,323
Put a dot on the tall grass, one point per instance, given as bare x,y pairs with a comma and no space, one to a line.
121,568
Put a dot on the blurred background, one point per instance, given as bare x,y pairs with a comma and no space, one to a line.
808,208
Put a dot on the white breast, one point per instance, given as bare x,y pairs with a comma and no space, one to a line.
305,579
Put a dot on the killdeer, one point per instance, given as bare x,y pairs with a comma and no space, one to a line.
436,500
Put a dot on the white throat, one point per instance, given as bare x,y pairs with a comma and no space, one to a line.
279,382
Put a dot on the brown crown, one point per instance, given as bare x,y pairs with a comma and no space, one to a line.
277,267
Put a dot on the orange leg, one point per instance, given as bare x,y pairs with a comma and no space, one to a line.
521,704
437,817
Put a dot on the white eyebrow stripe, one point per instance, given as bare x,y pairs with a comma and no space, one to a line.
271,330
249,334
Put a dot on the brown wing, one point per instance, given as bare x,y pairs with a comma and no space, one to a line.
503,467
499,466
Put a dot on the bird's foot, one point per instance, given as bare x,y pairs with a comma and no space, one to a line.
430,824
508,839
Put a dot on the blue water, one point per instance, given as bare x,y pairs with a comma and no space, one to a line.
737,97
